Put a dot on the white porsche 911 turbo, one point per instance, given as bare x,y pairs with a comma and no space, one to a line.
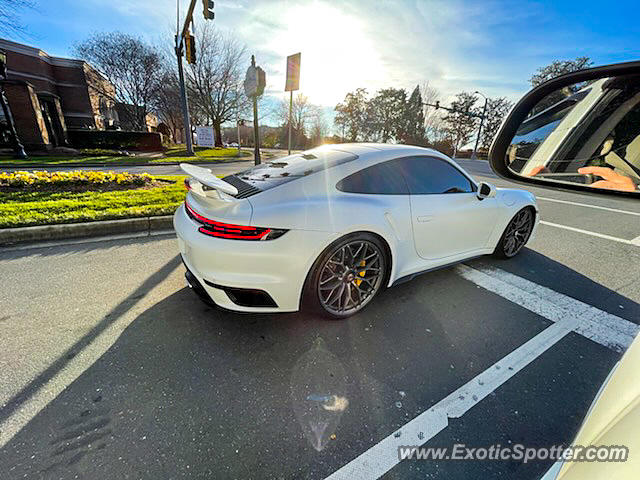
330,227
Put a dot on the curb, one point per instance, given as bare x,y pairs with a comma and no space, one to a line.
142,225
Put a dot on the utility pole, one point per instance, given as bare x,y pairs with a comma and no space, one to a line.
256,130
238,124
185,104
290,115
183,91
180,43
293,83
474,155
254,82
238,117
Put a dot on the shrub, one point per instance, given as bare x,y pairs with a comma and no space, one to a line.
115,140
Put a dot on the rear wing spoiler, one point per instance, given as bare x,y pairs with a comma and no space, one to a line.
210,185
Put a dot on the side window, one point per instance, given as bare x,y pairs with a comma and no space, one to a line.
382,178
429,175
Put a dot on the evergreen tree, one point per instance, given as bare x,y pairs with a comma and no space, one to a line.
413,131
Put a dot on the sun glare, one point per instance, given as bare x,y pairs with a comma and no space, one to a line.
337,55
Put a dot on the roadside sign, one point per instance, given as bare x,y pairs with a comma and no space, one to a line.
293,72
205,137
254,81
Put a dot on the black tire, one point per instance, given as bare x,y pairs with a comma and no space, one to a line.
338,289
517,234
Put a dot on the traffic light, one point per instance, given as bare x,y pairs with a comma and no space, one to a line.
208,9
190,48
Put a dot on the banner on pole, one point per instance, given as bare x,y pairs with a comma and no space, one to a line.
205,137
293,72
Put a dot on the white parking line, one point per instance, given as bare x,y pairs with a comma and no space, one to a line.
602,327
627,212
634,241
568,314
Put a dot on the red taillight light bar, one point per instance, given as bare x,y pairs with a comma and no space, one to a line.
214,228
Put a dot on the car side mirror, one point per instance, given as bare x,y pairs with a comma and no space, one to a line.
486,190
578,131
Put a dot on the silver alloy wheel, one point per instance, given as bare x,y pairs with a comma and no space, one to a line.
518,232
350,277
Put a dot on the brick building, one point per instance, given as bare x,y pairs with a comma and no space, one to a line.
49,95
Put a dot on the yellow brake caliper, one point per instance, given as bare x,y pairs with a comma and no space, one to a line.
359,281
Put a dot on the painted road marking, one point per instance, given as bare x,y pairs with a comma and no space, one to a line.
569,315
627,212
593,234
602,327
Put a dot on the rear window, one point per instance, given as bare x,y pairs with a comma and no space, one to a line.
286,169
380,179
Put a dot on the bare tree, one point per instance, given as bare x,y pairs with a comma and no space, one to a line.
301,113
319,127
433,123
132,68
169,104
216,92
10,15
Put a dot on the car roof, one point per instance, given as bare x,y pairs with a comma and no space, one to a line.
363,147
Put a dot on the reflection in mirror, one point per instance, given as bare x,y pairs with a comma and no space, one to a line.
587,133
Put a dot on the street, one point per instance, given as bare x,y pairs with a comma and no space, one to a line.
112,368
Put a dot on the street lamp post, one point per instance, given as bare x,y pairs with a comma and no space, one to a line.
6,110
474,155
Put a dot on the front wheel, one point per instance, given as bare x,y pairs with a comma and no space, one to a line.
516,234
346,277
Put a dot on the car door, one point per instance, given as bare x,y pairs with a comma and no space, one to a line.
447,216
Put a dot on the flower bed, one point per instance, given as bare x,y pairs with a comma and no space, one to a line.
38,180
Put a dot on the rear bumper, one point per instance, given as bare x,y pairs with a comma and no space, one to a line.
249,276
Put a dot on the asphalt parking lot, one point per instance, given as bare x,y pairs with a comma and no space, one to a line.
111,368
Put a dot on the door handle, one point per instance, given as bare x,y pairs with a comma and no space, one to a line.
425,218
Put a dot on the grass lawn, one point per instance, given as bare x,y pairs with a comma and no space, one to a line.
172,154
20,208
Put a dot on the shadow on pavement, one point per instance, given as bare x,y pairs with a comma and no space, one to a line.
14,403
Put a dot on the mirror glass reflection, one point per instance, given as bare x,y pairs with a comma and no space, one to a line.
587,133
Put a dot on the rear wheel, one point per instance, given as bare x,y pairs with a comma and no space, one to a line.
516,234
346,277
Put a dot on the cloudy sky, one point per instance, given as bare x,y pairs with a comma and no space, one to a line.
492,46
